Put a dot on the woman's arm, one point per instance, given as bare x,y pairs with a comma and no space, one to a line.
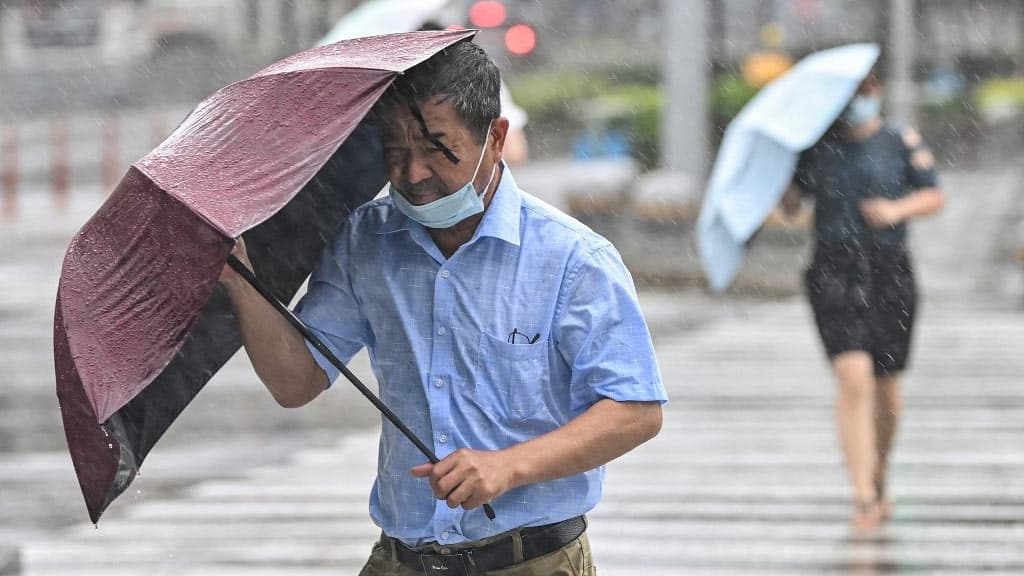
791,201
926,197
882,213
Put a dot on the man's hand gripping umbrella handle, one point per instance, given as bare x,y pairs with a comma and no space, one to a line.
249,277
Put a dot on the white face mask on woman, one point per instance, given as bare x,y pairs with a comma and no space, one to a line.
861,110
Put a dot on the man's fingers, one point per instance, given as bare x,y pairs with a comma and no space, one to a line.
445,466
446,480
460,480
422,471
473,502
228,274
460,494
456,479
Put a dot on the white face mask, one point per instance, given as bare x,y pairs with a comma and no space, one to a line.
449,210
861,110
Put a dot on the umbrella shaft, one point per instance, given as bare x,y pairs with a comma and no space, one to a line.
242,270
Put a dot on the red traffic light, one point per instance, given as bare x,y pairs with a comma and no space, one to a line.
520,39
487,14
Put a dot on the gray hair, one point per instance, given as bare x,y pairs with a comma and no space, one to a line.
464,76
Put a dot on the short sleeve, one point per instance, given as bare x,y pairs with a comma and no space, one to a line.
330,308
603,337
920,161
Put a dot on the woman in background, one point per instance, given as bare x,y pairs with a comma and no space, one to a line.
867,180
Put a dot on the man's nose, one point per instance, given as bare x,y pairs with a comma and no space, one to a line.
418,169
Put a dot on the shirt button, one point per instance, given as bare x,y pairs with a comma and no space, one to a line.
441,331
445,535
438,382
443,438
445,273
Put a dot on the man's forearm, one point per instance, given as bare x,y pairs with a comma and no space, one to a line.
606,431
276,349
609,429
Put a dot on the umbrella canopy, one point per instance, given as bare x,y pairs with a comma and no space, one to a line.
280,157
759,151
383,17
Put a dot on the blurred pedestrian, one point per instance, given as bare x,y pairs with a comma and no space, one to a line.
517,148
867,180
502,331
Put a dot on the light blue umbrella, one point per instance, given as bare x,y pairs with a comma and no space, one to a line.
760,149
383,17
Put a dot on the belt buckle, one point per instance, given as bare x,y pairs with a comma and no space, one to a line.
455,564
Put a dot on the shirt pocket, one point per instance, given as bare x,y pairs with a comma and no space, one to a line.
515,376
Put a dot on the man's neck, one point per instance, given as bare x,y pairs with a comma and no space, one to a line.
449,240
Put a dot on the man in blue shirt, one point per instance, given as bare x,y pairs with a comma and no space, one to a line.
501,331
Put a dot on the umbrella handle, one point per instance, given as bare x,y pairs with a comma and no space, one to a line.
294,320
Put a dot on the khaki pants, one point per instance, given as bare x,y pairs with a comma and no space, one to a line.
573,559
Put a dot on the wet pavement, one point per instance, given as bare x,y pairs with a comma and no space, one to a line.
744,479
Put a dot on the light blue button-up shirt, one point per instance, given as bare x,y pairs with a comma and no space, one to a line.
450,345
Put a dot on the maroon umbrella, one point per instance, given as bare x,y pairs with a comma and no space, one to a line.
140,325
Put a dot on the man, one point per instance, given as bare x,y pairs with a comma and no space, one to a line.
500,330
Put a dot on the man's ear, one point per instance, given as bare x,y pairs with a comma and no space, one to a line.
499,130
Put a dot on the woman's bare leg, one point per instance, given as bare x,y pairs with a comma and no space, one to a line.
855,419
888,407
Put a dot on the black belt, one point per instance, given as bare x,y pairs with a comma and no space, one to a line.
537,541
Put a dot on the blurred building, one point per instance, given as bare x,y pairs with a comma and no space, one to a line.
983,34
43,32
55,53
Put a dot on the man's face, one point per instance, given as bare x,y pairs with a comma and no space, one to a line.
420,170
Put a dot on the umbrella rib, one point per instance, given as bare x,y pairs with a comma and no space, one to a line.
294,320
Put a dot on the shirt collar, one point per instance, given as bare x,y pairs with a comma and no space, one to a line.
501,218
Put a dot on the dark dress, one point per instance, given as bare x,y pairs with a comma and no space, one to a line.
860,283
